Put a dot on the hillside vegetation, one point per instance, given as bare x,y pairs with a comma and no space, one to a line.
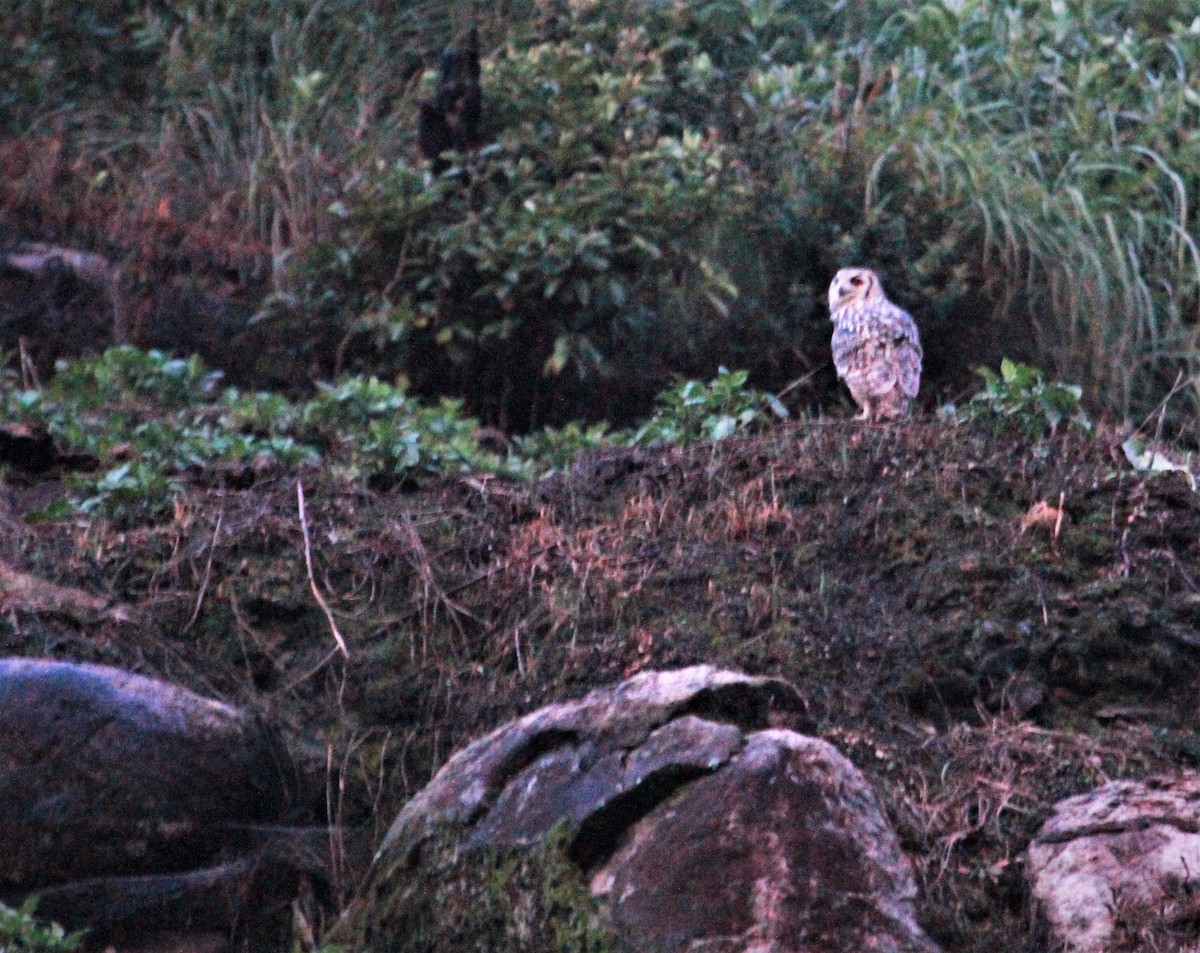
659,188
392,457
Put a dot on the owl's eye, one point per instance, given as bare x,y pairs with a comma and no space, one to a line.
856,281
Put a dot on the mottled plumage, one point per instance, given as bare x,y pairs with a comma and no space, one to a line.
876,349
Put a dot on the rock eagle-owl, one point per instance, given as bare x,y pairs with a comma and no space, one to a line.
876,349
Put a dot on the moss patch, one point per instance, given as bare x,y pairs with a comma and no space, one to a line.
512,901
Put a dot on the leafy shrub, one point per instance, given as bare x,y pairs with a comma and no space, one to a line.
551,251
127,489
151,421
554,448
263,413
690,410
20,932
385,432
128,375
147,419
1020,396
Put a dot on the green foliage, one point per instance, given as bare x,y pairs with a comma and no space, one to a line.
1020,396
150,422
690,410
20,932
265,414
660,184
128,488
127,375
57,57
1078,185
549,251
252,97
554,448
146,419
388,433
647,188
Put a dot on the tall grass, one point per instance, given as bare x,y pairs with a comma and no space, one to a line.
272,105
1044,153
1057,137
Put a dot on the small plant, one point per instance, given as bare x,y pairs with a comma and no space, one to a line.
126,374
554,448
1021,396
691,410
386,432
131,486
263,414
21,933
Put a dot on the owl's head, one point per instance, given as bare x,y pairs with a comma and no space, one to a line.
854,286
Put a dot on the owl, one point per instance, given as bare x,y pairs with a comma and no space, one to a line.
876,349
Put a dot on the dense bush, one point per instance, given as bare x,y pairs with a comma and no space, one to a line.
572,245
662,188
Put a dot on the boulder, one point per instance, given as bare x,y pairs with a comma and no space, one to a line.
119,791
692,817
1127,851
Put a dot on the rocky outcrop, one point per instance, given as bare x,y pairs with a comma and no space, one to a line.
691,815
129,801
1129,850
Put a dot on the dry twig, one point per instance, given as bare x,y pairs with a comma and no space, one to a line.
212,547
312,582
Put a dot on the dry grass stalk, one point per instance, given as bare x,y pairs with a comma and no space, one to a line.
312,582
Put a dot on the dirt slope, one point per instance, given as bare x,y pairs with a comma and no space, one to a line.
977,655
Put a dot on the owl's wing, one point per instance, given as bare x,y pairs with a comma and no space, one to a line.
907,351
908,367
876,347
903,345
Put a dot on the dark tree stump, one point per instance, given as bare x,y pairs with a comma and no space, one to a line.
450,121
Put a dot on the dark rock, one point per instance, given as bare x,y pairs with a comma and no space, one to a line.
249,894
105,772
785,848
128,803
694,818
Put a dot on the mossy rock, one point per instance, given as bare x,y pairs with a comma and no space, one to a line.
492,901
